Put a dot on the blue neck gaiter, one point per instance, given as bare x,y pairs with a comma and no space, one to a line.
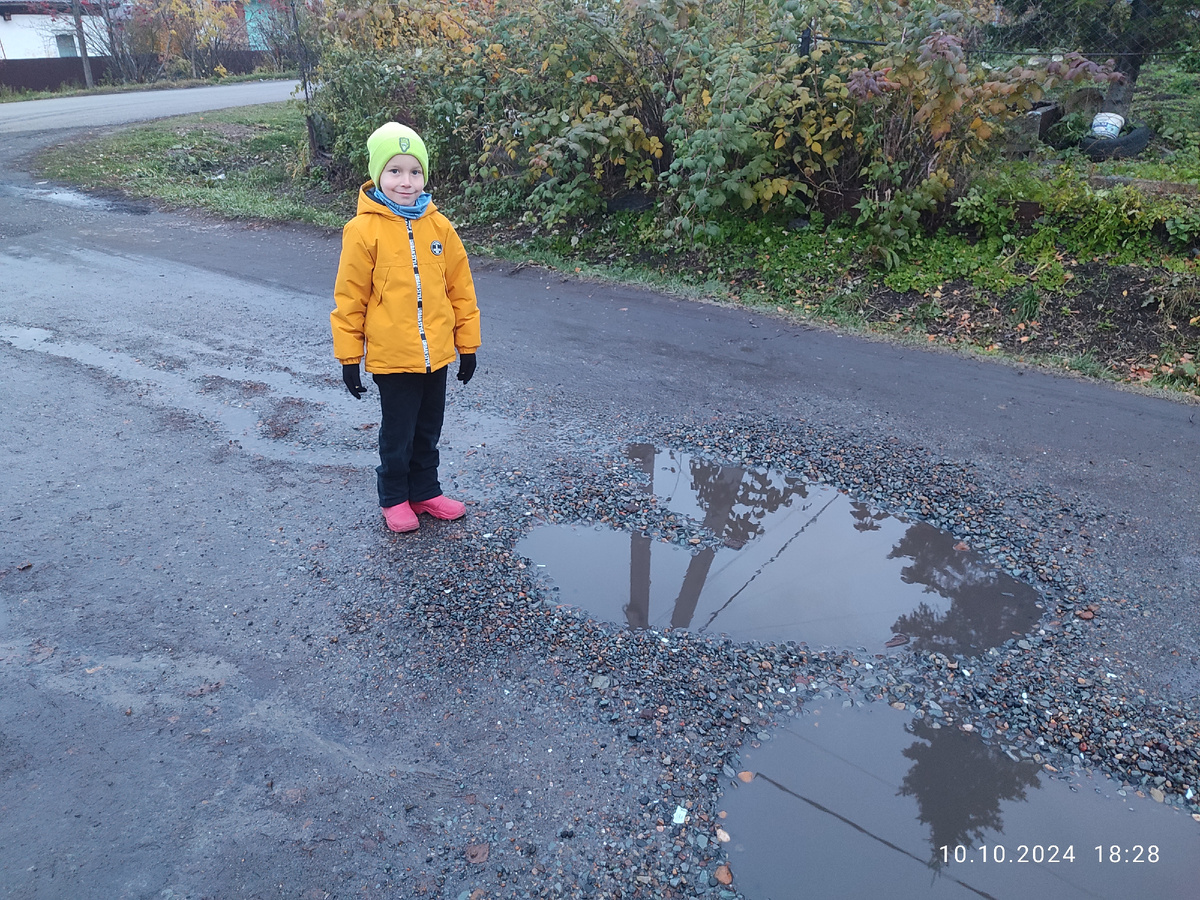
408,212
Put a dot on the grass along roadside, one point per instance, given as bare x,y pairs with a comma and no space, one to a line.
1118,323
1043,297
237,163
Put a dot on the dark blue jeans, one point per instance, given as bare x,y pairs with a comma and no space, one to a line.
414,405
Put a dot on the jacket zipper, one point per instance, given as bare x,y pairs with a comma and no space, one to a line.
412,246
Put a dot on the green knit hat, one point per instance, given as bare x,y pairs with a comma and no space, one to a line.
389,139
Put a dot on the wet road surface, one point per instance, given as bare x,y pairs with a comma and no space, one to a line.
223,678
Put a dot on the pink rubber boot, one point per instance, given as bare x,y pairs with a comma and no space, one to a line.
400,517
440,507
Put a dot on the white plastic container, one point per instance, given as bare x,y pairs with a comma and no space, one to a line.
1107,125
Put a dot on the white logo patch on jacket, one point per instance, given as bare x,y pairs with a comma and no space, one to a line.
436,247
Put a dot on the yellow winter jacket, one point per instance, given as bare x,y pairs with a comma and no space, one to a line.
376,295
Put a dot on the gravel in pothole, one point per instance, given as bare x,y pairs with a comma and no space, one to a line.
684,706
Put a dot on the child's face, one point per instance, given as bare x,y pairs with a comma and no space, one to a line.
402,179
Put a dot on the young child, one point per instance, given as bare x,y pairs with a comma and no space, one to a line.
404,292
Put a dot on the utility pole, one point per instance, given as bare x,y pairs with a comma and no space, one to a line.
77,11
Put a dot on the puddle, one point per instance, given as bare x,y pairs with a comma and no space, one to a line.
802,563
74,199
860,802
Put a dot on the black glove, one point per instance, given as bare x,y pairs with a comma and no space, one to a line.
466,366
353,380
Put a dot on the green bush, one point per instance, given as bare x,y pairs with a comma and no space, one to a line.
712,110
1076,218
359,92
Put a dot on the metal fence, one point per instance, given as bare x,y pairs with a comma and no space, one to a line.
1037,32
49,74
1009,35
53,74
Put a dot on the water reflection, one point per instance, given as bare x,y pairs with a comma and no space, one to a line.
958,783
866,519
974,619
845,803
732,504
800,561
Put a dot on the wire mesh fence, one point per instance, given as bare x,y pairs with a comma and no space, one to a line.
1094,30
1100,30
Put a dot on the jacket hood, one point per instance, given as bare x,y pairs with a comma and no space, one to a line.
368,204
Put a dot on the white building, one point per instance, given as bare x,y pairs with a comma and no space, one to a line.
44,30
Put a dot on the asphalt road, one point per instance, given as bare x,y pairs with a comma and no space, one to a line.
188,498
136,106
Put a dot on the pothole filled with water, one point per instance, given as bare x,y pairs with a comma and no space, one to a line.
801,562
867,801
75,199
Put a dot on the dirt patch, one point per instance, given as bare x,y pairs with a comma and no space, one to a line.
178,420
1124,319
286,415
230,130
217,384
